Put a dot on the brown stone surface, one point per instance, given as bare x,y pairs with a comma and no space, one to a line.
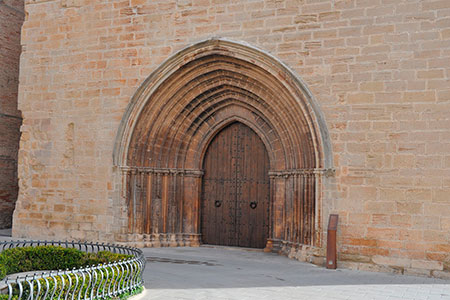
11,18
379,71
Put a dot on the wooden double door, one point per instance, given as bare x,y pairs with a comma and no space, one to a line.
235,193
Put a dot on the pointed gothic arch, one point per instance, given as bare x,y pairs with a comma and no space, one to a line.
175,113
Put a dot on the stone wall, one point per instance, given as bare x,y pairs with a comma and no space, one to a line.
11,18
379,69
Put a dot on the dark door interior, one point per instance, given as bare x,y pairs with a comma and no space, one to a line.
235,194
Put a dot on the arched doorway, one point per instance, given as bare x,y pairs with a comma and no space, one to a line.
168,126
235,189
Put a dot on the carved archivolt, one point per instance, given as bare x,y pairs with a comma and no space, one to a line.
180,108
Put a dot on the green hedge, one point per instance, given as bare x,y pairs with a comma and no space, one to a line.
121,297
2,271
40,258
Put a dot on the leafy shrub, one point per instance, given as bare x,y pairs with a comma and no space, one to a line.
102,257
2,271
136,291
67,286
39,258
123,296
26,259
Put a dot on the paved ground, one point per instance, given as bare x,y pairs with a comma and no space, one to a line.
220,273
5,234
232,273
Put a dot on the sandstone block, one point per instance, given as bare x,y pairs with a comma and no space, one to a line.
427,265
392,261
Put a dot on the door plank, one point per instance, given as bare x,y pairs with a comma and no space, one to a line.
236,166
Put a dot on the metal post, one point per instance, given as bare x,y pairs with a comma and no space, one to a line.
331,242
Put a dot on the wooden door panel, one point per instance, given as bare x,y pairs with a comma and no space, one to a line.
254,188
218,200
236,168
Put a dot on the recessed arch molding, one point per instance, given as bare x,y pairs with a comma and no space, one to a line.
180,108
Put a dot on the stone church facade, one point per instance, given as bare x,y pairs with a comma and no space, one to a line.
151,122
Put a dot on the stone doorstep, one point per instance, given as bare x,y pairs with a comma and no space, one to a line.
232,248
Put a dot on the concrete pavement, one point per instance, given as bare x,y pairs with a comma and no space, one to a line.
5,234
242,274
234,273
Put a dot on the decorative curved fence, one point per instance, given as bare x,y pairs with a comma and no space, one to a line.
91,282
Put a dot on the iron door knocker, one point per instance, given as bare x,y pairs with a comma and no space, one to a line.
217,203
253,205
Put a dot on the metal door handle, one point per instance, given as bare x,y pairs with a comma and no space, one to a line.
217,203
253,205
